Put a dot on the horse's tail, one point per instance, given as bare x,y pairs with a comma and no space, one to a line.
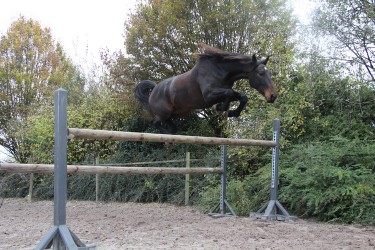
142,93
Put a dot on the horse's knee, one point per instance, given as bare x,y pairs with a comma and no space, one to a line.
218,95
223,106
243,99
236,113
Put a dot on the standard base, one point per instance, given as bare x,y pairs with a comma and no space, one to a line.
220,210
269,211
277,217
60,237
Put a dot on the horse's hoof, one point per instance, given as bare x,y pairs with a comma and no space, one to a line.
220,107
233,113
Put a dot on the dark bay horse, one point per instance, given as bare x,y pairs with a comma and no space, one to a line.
208,83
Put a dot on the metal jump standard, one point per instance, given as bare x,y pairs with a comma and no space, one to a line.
60,236
273,210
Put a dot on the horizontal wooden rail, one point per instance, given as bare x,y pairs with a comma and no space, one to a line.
71,169
178,139
155,162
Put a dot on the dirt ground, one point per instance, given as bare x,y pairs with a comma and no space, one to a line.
162,226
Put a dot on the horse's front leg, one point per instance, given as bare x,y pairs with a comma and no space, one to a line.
223,97
220,96
243,100
223,106
227,97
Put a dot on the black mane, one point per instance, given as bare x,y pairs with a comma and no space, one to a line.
208,51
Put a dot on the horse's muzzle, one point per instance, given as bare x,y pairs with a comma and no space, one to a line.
272,98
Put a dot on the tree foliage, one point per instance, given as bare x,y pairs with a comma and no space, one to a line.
98,110
332,180
162,36
351,23
32,66
325,103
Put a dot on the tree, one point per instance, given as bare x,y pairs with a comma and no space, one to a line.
162,38
32,66
326,103
98,110
351,23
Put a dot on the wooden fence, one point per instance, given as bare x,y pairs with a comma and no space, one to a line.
130,168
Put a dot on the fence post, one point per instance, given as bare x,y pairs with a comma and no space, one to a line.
223,192
97,181
275,160
187,180
31,188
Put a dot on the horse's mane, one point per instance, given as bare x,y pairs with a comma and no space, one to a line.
209,51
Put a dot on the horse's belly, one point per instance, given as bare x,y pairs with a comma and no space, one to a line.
186,96
185,102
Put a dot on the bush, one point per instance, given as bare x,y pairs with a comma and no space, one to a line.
244,195
331,181
14,185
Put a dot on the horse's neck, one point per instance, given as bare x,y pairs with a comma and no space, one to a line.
237,76
238,71
229,72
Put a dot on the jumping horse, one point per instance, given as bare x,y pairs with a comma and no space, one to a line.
208,83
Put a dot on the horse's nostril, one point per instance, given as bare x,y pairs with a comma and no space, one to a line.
272,97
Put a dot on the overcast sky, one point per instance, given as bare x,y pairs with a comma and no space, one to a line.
84,27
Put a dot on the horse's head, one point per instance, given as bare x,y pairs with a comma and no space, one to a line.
260,79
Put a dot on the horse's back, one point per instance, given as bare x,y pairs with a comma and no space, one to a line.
160,102
177,96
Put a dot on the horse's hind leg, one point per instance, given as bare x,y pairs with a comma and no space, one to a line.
171,128
166,127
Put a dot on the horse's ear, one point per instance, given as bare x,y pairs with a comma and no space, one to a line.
265,60
254,59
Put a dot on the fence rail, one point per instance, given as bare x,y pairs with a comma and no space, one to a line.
154,162
71,169
128,168
77,133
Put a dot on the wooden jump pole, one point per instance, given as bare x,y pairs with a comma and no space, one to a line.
89,169
77,133
149,162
